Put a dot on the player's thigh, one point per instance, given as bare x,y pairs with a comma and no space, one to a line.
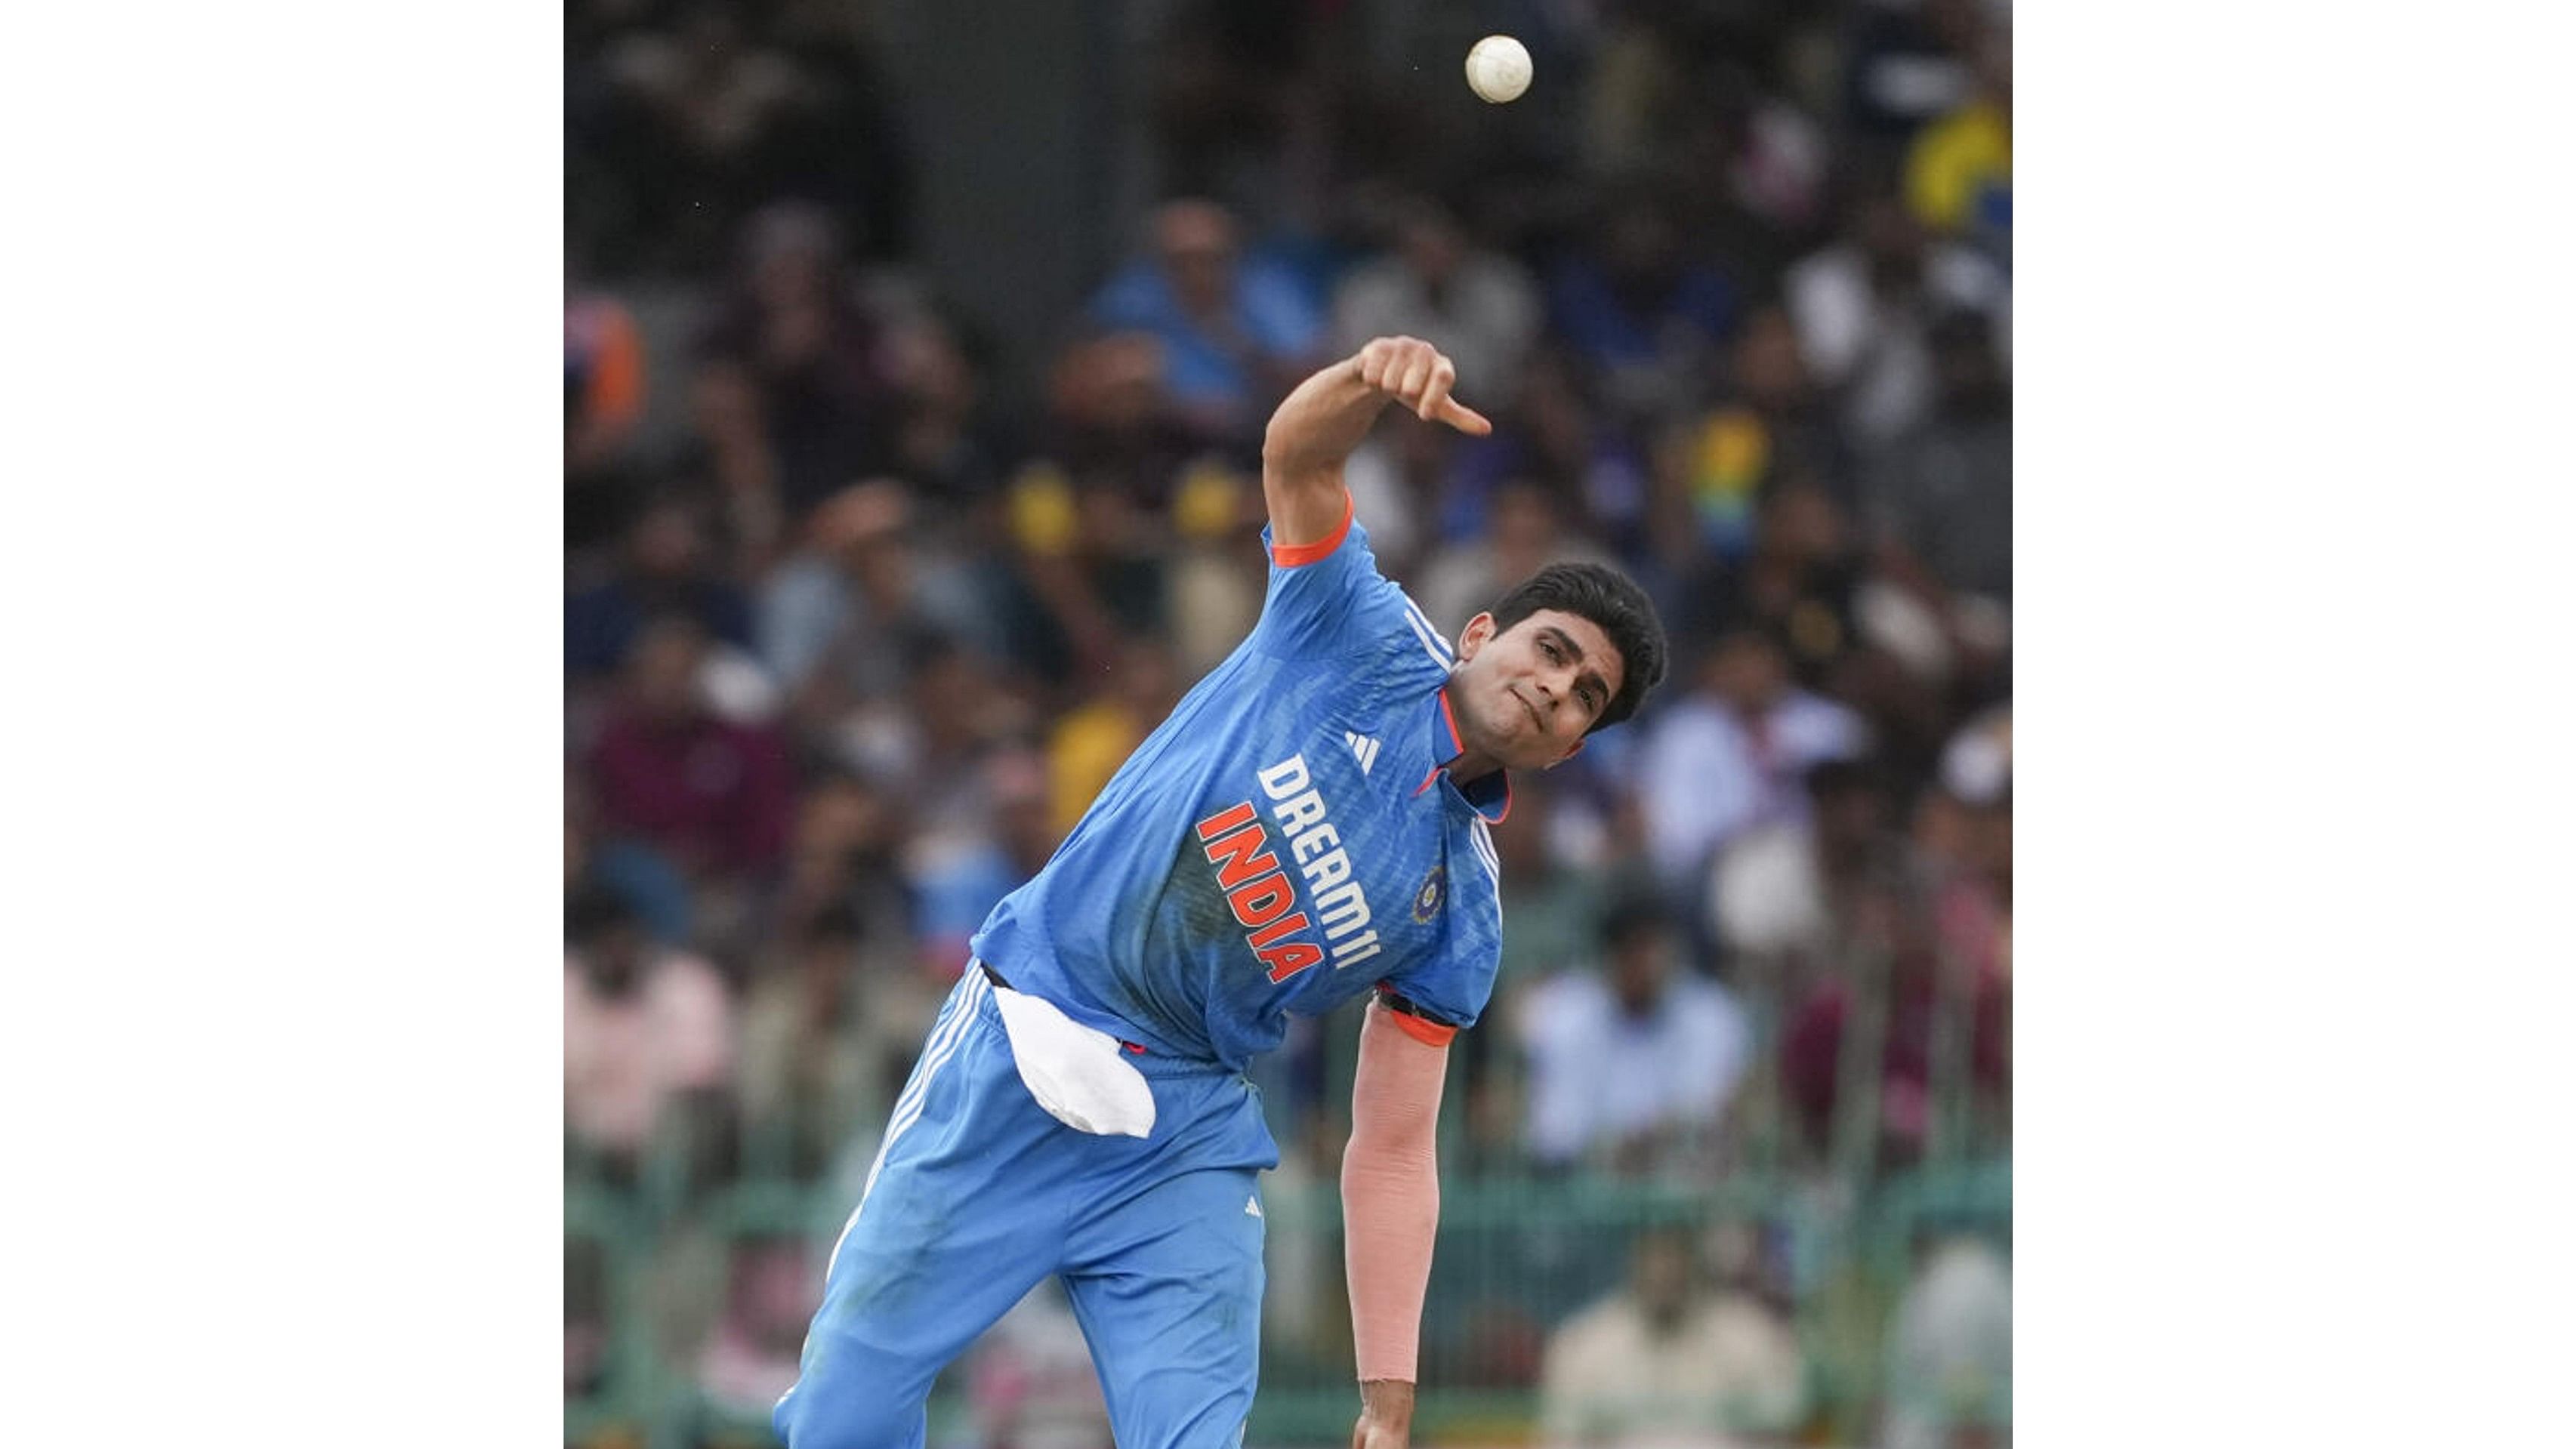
1168,1291
960,1219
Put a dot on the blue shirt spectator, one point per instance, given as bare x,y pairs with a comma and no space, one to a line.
1235,331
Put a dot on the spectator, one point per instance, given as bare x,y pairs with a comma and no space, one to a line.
1800,585
809,1079
667,569
932,754
1113,421
1631,1066
1949,1345
1864,308
1554,433
960,871
1932,997
941,441
1216,583
843,145
846,872
1669,1364
837,618
1236,334
1769,434
728,458
798,332
750,1358
1091,741
1780,890
1089,571
1742,739
1642,315
1553,899
1942,495
1958,174
1528,531
1905,62
1964,834
711,795
648,1031
647,883
1555,883
604,391
694,111
1480,308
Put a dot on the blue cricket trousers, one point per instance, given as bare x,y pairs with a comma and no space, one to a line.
978,1195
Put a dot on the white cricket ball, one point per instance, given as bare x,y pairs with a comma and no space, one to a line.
1498,69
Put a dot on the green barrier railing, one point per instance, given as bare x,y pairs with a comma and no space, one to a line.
1539,1249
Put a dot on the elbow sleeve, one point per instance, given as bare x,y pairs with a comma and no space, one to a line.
1391,1193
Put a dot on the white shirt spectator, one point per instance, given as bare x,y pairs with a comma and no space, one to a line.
1851,339
1949,1348
1723,779
1610,1382
1766,896
1598,1074
1485,320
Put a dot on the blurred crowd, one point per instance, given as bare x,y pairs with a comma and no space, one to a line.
849,645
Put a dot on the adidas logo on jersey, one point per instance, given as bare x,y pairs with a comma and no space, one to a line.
1363,749
1252,1207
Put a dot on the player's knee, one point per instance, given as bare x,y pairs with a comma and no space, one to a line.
857,1420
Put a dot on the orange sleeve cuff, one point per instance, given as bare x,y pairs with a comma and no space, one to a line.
1290,556
1429,1033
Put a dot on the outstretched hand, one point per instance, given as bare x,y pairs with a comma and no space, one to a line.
1414,373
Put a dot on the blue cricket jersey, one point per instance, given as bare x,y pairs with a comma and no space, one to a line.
1285,841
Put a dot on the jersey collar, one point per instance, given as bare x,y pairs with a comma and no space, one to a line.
1491,796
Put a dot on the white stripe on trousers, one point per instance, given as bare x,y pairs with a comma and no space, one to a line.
945,1038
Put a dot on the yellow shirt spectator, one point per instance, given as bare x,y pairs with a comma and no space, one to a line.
1959,158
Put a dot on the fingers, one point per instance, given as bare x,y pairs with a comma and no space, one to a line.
1375,359
1435,389
1465,419
1414,373
1415,378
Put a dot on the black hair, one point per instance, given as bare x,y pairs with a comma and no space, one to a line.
1828,778
594,910
838,921
1635,912
1609,599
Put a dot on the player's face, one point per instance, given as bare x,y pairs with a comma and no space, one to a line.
1526,696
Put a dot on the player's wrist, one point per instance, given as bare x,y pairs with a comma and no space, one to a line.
1388,1403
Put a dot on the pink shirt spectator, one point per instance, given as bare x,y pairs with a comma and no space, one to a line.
626,1056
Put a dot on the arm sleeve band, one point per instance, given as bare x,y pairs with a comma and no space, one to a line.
1391,1193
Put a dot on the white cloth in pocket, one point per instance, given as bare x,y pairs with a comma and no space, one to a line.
1077,1073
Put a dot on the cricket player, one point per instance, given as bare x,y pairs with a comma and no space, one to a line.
1308,826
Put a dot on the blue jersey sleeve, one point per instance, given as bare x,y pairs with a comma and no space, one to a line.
1325,598
1450,987
1450,991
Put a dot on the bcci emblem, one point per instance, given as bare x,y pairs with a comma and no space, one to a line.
1426,901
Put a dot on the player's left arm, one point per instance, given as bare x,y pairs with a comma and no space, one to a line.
1391,1211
